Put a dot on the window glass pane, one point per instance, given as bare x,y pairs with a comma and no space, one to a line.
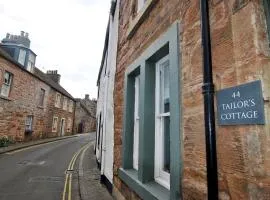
7,78
5,89
136,124
164,88
28,123
162,135
22,55
166,144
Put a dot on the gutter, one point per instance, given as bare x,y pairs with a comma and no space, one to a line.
208,89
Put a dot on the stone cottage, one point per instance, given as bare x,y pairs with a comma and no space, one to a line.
33,104
159,138
85,115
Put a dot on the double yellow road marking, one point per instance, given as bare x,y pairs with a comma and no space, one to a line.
68,180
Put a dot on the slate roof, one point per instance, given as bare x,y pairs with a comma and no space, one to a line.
37,74
51,83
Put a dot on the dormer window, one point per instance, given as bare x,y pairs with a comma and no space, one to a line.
22,56
31,62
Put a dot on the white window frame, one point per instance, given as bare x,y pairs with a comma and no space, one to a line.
140,4
54,129
65,102
29,123
6,86
162,177
136,123
58,100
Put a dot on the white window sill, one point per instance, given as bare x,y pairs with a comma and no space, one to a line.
5,98
141,15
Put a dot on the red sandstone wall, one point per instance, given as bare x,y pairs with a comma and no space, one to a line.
60,113
23,100
240,54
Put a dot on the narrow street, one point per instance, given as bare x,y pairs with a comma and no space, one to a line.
40,172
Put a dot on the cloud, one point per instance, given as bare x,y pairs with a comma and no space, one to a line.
67,35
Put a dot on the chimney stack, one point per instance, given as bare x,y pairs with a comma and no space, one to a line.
86,97
7,36
53,74
22,33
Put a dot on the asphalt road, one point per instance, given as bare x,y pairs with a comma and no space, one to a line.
38,172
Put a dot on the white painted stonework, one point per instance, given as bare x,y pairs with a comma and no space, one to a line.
105,105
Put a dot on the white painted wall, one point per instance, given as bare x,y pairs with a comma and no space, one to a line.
105,101
100,111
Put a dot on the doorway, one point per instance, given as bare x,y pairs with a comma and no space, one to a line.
62,127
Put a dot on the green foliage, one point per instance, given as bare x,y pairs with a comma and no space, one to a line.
4,141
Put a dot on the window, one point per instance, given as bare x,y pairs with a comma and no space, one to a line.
139,11
41,97
151,164
65,103
29,123
140,4
69,124
58,100
70,108
267,15
31,62
5,90
162,132
54,125
21,58
136,124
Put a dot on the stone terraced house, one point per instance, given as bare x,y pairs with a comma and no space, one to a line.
33,104
104,148
159,138
85,115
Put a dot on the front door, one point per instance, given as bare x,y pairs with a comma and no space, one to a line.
62,127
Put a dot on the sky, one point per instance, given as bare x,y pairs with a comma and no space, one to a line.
66,35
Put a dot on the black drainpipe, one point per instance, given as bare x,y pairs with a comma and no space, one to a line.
209,113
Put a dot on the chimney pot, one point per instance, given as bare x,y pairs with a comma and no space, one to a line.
22,33
54,75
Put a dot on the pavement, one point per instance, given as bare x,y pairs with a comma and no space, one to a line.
89,177
55,168
22,145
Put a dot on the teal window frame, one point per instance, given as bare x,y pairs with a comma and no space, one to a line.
142,180
266,4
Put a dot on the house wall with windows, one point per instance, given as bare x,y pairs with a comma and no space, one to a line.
85,115
62,108
22,101
27,103
105,101
167,33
